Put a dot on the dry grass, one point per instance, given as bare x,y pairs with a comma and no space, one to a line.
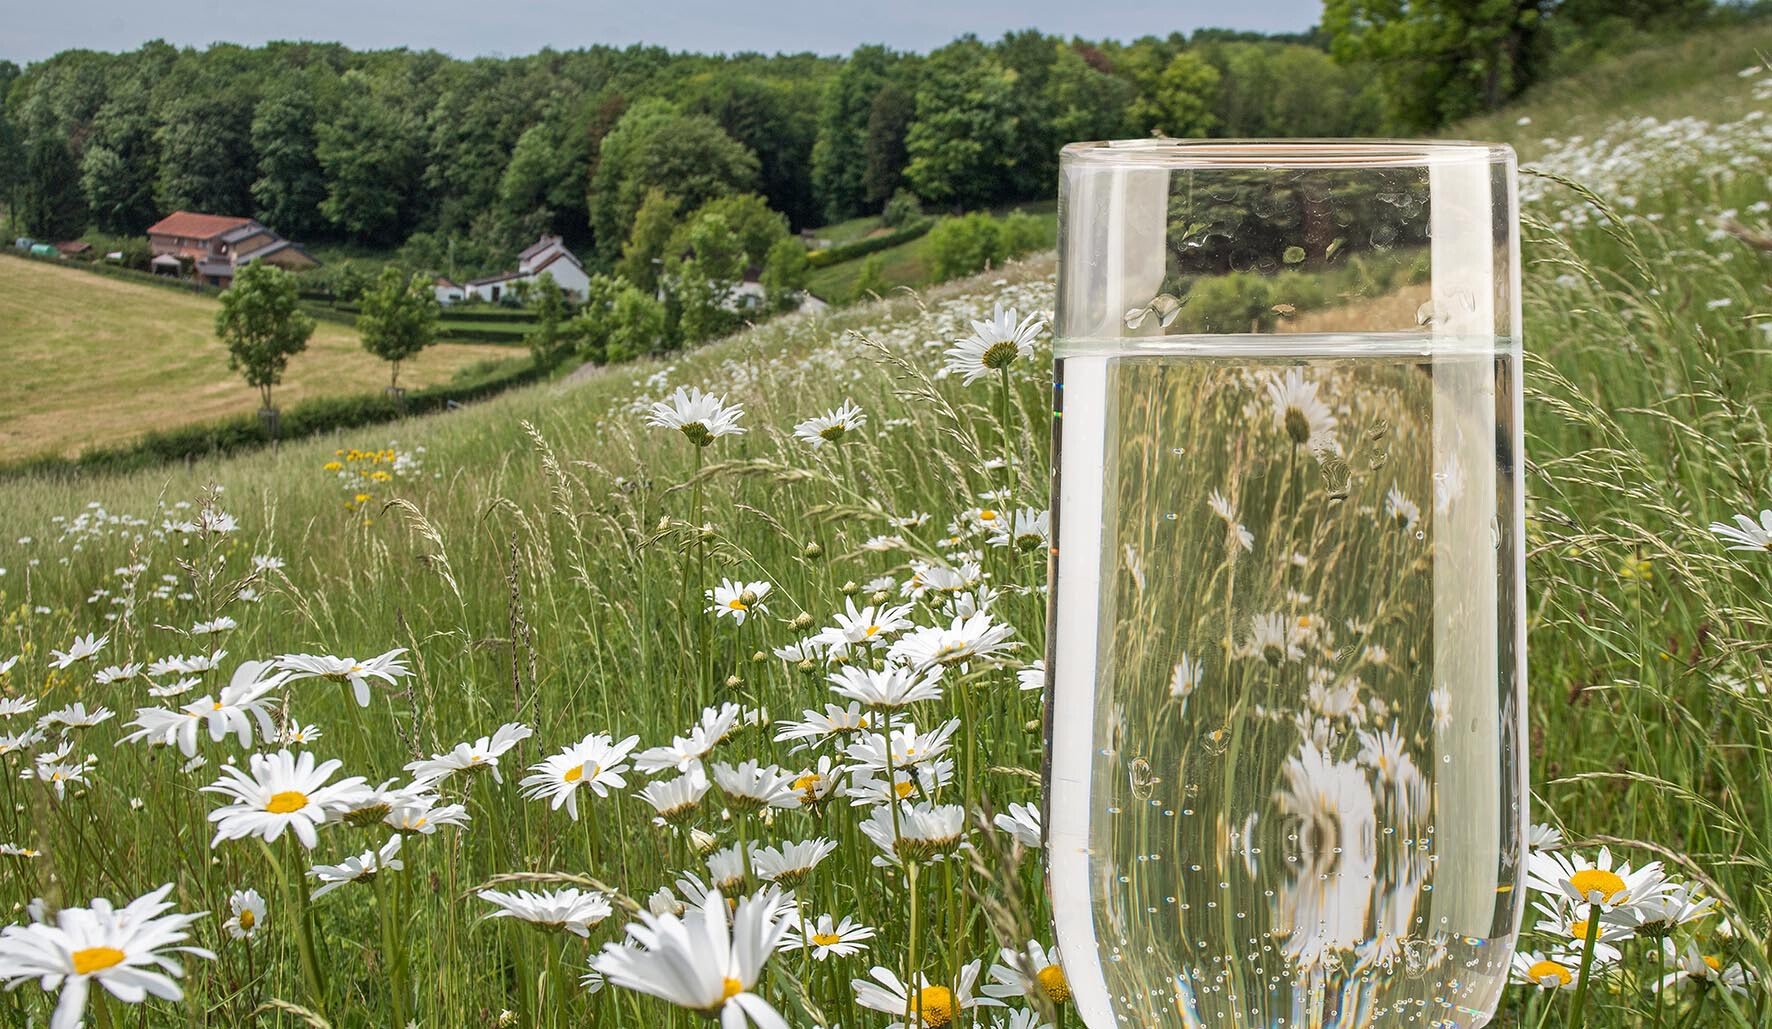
93,360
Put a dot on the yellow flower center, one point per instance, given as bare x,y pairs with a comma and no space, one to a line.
247,918
871,630
286,802
903,789
935,1005
96,959
1590,881
729,989
737,604
807,782
826,939
574,774
1578,929
217,707
987,515
1715,963
1053,983
1547,969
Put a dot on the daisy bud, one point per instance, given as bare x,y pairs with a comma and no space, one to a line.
808,666
702,840
850,588
664,522
733,682
813,550
879,597
802,621
1033,725
759,656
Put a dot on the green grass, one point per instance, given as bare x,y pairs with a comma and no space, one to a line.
907,265
838,233
544,560
93,359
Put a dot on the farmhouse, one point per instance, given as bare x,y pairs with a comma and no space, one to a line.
216,245
547,254
447,291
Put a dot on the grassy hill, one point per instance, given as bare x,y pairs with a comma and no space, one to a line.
92,359
545,557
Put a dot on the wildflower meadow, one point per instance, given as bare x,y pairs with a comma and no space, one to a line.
713,688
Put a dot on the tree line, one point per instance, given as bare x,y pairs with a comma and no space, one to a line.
460,161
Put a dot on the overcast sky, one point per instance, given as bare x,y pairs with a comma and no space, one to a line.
34,29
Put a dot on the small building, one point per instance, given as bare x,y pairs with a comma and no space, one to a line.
546,255
446,291
217,245
73,247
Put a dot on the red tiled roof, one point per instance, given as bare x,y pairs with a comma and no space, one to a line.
195,226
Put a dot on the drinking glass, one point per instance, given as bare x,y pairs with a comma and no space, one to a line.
1286,779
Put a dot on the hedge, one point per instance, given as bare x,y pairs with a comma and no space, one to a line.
862,247
118,272
245,432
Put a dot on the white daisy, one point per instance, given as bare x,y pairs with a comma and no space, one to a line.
1030,972
359,868
1400,509
214,626
117,673
1023,823
816,728
752,786
1274,638
1026,530
702,417
128,951
832,426
829,938
1185,679
1032,679
1551,972
907,747
735,600
686,752
387,667
246,914
994,345
12,707
931,1005
569,910
482,754
1594,881
925,831
1745,534
84,648
702,961
1565,920
872,627
416,813
280,791
1693,965
1298,411
595,763
675,800
1662,914
75,716
1223,509
819,783
894,686
966,640
726,869
789,864
1544,836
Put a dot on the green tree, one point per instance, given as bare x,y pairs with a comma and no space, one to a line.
263,325
839,153
548,340
291,185
784,275
12,162
657,146
962,141
702,283
966,244
52,205
889,118
118,166
1178,101
398,319
636,325
766,116
751,220
1086,101
655,224
205,146
1440,60
373,159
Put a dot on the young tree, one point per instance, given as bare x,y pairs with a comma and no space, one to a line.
644,252
263,325
1178,101
547,341
398,319
657,146
636,325
53,207
784,274
964,136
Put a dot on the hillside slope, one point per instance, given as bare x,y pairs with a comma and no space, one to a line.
92,359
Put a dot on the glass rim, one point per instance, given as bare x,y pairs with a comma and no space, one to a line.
1166,152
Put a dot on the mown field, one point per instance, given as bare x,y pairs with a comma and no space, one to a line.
92,359
546,559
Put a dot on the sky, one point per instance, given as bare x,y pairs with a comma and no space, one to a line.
31,30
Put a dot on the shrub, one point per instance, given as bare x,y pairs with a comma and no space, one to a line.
903,209
965,244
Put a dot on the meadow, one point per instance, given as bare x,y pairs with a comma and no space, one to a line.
97,360
677,643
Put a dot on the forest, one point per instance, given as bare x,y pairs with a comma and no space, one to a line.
454,163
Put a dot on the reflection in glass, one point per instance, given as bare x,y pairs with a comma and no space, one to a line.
1285,784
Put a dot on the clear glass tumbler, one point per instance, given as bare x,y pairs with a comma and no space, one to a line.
1286,773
